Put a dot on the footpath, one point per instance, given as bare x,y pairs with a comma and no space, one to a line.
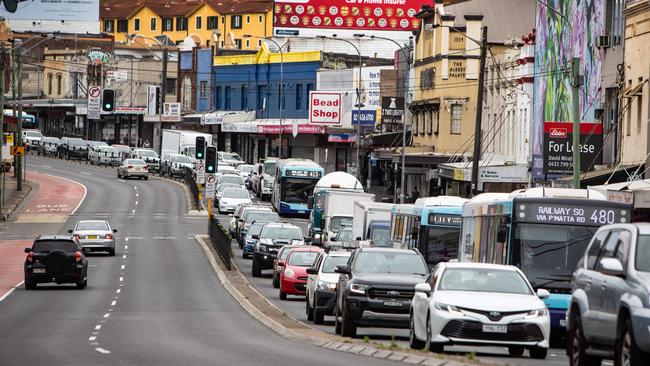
45,211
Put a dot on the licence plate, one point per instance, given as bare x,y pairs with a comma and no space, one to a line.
39,270
393,303
92,237
563,323
489,328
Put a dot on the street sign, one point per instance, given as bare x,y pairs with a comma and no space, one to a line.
200,172
94,102
17,150
210,182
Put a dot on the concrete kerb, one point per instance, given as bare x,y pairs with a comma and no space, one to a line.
322,340
12,204
188,196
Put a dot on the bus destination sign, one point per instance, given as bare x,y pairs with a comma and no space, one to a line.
571,214
302,173
446,220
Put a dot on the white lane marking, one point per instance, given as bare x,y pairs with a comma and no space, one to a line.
122,181
85,173
107,315
137,194
126,239
136,202
136,188
126,247
101,350
92,338
98,327
124,256
123,266
163,238
113,303
121,279
95,333
133,211
46,166
10,291
118,290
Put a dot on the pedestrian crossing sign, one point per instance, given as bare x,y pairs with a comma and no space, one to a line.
17,150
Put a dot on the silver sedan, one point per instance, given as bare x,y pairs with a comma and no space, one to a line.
95,236
133,168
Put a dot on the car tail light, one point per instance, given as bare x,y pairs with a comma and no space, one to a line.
130,167
30,257
146,167
77,256
108,236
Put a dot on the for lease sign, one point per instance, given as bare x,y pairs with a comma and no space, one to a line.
325,108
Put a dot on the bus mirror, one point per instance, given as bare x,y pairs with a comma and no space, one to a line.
310,202
502,234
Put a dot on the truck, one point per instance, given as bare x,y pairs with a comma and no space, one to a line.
182,142
338,210
335,181
266,175
371,223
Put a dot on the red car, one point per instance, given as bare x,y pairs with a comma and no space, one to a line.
293,276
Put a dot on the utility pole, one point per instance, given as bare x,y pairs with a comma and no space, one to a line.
163,94
18,140
576,81
476,156
3,64
20,159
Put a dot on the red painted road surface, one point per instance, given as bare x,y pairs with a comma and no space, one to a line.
55,197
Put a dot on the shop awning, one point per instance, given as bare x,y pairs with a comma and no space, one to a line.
611,175
462,171
272,127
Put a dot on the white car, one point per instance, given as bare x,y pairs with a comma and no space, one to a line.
175,165
321,285
231,179
105,155
479,304
31,138
232,198
224,169
244,170
218,192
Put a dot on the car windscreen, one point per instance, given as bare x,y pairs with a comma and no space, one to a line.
269,168
262,216
379,236
180,159
232,179
223,187
46,246
286,233
337,221
330,263
108,149
235,193
92,225
231,156
147,153
643,253
390,262
255,229
284,253
76,142
52,140
98,143
245,168
34,134
302,259
344,235
138,162
483,280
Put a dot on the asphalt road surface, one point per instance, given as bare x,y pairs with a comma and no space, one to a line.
295,307
157,302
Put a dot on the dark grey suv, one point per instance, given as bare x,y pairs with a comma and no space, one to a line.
609,314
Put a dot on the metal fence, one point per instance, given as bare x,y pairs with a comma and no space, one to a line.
194,189
221,241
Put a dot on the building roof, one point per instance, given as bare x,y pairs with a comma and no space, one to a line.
114,9
241,6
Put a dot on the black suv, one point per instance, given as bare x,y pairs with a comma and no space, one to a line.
57,259
375,288
73,148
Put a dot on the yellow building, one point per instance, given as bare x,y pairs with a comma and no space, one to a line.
204,21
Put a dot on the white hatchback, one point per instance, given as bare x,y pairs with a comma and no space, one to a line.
232,198
479,304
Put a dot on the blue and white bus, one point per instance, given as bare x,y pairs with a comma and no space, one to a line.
431,224
294,182
29,120
542,231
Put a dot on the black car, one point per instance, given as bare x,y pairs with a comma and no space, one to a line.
57,259
375,288
73,148
273,237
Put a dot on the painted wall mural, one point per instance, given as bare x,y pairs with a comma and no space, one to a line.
555,46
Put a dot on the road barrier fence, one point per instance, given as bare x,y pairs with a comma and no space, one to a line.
221,241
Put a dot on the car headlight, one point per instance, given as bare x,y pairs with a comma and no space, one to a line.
262,248
536,313
358,288
326,286
449,308
289,273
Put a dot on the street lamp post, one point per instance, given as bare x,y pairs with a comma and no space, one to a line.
281,94
408,69
359,104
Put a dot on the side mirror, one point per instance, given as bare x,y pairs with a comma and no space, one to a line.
502,233
256,237
611,267
69,231
312,270
358,238
307,239
281,263
28,250
342,269
424,288
543,294
114,230
310,202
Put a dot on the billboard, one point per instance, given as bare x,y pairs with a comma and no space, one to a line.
392,110
558,147
68,10
325,108
389,15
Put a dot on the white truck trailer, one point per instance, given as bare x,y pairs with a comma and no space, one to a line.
371,223
182,142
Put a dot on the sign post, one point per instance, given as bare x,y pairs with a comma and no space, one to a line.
210,183
94,102
200,172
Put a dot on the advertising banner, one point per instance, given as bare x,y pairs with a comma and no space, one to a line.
392,109
70,10
171,112
342,137
558,147
288,128
325,108
153,94
368,15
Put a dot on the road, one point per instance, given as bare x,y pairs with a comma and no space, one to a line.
156,302
295,307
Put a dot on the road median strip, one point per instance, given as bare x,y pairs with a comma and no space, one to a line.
274,318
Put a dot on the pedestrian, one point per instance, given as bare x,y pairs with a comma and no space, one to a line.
416,194
146,144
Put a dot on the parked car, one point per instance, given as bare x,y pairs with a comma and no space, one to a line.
133,168
95,236
232,198
278,263
239,212
249,241
479,304
376,287
231,159
104,155
57,259
73,148
125,151
149,156
609,314
293,275
175,165
273,237
93,144
321,285
48,146
254,216
32,138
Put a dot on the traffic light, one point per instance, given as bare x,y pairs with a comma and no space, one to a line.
108,100
210,159
200,147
